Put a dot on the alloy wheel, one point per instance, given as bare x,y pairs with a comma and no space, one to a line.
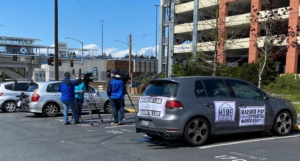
197,132
283,123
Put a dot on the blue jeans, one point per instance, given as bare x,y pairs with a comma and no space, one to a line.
66,105
116,105
122,109
78,105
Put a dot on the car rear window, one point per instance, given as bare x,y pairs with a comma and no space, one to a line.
20,86
8,86
32,87
166,89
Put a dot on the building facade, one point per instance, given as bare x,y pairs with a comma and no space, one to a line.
187,26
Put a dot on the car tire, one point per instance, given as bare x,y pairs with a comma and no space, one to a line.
282,124
196,132
154,136
51,110
10,106
107,108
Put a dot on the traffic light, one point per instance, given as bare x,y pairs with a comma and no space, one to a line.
59,62
71,63
73,71
32,57
48,61
51,58
15,58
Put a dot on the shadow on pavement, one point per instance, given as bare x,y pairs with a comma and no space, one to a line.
167,143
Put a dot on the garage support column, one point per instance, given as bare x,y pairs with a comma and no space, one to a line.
292,53
171,55
222,31
195,28
254,30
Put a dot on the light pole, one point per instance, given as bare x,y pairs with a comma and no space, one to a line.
129,44
81,51
156,31
102,37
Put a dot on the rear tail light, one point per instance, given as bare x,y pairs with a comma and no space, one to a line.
35,97
1,93
174,104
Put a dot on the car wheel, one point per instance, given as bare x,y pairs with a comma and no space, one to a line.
154,136
196,132
282,123
10,106
50,110
107,108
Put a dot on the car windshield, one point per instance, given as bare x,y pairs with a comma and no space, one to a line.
166,89
32,87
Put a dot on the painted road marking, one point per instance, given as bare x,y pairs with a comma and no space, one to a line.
248,141
117,126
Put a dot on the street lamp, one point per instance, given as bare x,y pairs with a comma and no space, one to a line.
81,51
102,37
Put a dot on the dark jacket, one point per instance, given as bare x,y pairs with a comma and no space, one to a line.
115,88
66,88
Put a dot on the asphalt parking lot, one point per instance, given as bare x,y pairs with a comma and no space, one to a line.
27,137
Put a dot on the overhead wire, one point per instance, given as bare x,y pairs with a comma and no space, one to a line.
110,31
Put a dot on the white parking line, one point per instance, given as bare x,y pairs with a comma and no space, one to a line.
118,126
248,141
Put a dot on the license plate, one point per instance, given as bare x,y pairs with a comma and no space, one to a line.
145,123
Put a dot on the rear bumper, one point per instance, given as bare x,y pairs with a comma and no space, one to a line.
167,126
36,107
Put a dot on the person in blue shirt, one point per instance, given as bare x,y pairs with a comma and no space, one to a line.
115,92
79,97
68,96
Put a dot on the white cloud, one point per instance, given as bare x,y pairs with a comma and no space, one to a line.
116,53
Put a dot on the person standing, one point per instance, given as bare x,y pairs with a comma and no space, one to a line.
67,97
115,92
79,97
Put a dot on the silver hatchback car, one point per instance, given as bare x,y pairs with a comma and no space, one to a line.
8,93
196,107
45,100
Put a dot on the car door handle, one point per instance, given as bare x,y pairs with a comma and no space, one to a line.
242,105
209,105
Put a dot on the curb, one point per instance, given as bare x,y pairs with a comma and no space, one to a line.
130,110
296,128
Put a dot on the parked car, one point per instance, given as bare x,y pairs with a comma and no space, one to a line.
45,100
8,93
196,107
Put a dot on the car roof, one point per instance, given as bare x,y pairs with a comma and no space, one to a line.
47,82
4,83
194,77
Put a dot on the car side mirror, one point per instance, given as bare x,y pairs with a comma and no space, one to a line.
265,97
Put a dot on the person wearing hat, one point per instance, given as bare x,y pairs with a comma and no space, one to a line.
66,88
115,92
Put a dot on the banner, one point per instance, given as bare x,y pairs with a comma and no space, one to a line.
252,116
152,106
224,111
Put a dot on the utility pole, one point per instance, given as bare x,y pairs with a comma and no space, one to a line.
156,31
130,57
56,40
102,37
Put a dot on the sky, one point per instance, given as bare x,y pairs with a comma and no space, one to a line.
81,20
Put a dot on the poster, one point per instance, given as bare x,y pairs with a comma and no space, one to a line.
224,111
252,116
152,106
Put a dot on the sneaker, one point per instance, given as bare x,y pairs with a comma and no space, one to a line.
76,122
119,123
67,123
113,123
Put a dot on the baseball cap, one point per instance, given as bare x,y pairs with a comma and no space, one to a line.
67,74
114,72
